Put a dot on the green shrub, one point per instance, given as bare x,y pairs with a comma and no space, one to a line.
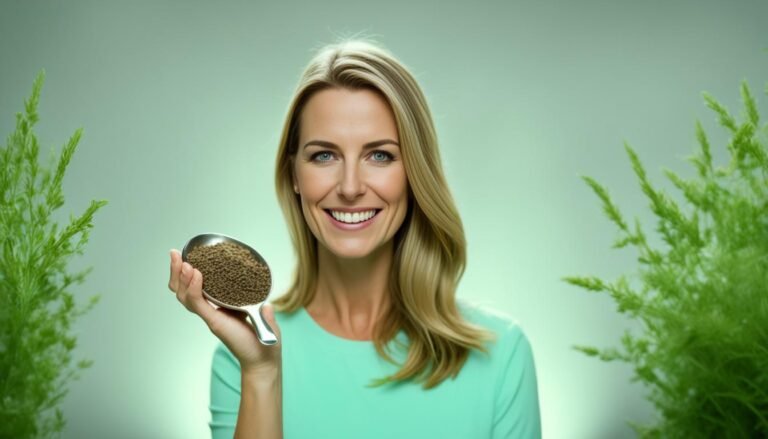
702,352
36,307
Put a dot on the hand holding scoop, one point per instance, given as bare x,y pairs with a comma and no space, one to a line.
235,276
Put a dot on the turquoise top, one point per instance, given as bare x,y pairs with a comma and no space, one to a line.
325,393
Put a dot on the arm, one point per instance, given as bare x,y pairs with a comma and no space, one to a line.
261,379
258,397
517,403
261,406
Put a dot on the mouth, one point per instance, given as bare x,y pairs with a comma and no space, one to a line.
352,218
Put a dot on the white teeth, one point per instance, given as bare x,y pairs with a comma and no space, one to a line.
353,218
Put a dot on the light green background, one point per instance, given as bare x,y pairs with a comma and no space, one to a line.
182,105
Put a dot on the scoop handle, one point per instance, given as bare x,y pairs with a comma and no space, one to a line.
263,331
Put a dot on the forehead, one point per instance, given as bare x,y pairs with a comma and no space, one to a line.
345,114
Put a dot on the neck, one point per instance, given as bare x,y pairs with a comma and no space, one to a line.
352,294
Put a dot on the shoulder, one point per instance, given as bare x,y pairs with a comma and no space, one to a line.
511,343
512,371
490,317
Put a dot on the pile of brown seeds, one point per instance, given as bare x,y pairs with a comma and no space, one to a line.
231,274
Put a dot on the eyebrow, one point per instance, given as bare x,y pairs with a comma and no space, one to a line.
368,145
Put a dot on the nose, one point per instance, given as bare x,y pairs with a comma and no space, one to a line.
351,184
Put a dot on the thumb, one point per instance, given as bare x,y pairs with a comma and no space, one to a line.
268,312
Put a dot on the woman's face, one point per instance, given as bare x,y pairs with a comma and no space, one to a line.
349,172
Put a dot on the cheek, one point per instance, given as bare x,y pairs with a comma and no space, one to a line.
392,185
314,183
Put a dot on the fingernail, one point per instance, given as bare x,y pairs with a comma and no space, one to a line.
185,268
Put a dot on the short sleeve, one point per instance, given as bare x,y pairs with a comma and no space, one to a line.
225,393
516,413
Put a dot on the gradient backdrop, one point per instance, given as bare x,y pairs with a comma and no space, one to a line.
182,104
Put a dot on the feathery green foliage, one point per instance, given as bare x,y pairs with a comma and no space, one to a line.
36,307
703,349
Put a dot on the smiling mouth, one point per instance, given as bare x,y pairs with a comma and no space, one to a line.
352,218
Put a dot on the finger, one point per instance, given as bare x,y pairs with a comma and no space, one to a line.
182,291
268,312
173,283
186,276
198,303
184,294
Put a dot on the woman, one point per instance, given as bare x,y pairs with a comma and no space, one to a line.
376,344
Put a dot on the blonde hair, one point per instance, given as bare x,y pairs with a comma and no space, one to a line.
429,248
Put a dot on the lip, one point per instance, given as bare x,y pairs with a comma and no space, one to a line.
349,227
352,209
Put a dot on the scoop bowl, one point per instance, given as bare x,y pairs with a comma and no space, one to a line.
253,310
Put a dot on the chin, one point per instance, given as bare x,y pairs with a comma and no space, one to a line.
351,250
350,253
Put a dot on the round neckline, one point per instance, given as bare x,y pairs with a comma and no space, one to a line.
303,313
328,334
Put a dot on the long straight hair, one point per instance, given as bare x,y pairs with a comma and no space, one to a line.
429,248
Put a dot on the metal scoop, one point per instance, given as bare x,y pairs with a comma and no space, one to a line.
253,311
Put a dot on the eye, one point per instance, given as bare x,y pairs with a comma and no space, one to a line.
322,156
382,156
